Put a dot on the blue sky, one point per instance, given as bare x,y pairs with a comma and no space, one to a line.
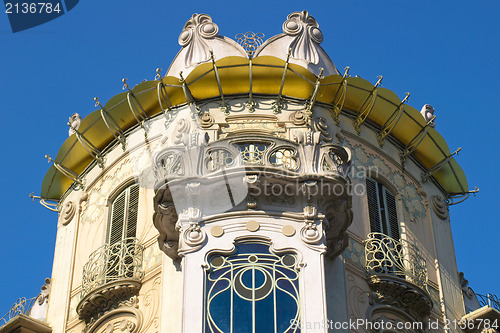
445,53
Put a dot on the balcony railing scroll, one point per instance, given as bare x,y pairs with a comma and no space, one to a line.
490,300
113,262
385,255
22,306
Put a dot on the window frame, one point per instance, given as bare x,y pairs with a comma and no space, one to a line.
387,226
126,186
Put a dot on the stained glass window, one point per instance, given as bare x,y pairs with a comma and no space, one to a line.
253,290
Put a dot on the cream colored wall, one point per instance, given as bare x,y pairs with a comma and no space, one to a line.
87,231
431,234
161,293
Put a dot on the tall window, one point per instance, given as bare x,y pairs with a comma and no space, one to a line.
122,246
124,215
382,209
252,290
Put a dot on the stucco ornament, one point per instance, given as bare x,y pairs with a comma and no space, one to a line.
428,112
439,207
69,211
74,123
196,30
305,30
309,232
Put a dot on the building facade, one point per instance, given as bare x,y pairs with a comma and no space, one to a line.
254,187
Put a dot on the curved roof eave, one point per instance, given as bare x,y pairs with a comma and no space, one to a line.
151,97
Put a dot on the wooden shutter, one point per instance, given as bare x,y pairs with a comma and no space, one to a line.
392,216
132,211
124,215
373,205
117,218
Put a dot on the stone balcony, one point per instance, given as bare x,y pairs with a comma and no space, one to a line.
112,275
198,180
397,273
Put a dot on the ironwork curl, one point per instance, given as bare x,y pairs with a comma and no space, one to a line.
22,306
250,41
490,300
385,255
113,262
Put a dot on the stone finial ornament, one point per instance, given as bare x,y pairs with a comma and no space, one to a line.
427,112
196,30
305,31
74,123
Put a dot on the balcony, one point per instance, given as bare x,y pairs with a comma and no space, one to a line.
397,273
28,315
113,274
490,300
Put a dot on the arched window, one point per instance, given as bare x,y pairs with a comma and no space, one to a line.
382,209
252,290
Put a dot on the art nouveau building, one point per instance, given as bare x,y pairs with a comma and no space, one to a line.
254,187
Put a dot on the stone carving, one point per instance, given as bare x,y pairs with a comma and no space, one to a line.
464,284
320,125
339,215
392,290
125,317
206,120
151,301
251,165
309,233
298,118
182,128
196,31
306,34
108,297
193,235
74,123
68,212
410,194
427,112
358,300
165,219
39,309
439,207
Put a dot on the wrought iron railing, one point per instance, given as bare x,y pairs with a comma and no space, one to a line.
490,300
385,255
113,262
22,306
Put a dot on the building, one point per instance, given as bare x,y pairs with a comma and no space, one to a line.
254,187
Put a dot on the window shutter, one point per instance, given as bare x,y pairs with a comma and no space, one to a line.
117,219
373,205
133,208
392,216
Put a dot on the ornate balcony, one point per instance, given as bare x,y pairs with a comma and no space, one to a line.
113,274
397,273
238,171
490,300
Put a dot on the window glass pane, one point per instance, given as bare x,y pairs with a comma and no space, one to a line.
252,290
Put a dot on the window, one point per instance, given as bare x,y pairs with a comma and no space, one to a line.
252,290
124,215
382,209
385,251
122,245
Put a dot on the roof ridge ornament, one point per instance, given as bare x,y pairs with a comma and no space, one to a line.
196,30
305,30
